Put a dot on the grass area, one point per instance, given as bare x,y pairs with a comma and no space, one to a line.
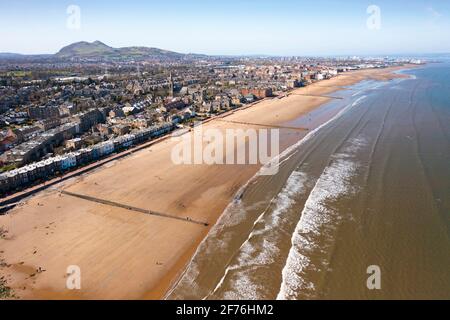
5,291
18,73
8,167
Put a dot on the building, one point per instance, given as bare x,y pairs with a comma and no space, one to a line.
292,83
318,76
257,92
74,144
8,140
43,112
249,98
49,123
178,105
121,129
44,169
89,119
27,132
171,85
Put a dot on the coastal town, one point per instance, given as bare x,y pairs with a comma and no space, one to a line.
223,159
60,115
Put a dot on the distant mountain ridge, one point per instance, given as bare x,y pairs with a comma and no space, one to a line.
99,50
84,49
9,54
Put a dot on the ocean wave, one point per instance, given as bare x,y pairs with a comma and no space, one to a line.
235,212
260,248
318,219
357,93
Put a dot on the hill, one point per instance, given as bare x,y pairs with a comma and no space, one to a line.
99,50
85,49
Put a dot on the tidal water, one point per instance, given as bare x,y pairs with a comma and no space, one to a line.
370,187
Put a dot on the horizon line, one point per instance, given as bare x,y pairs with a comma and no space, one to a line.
242,54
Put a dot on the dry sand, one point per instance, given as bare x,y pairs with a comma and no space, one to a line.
125,254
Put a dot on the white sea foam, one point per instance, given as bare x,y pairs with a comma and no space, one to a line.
245,288
357,93
356,102
318,219
261,251
235,212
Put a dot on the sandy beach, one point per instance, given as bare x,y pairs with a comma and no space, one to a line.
124,254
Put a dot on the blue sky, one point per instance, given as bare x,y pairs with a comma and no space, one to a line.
283,27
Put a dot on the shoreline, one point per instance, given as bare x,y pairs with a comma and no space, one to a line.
395,73
104,242
29,191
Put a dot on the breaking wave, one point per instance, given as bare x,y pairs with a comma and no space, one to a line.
235,212
318,219
261,247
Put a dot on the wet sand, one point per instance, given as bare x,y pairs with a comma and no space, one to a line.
129,255
369,188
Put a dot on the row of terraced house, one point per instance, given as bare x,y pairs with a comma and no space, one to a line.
45,169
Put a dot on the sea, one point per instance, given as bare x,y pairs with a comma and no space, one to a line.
359,209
